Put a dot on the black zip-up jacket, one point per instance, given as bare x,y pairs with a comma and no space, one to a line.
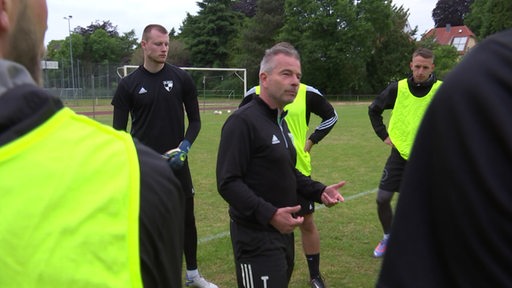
256,171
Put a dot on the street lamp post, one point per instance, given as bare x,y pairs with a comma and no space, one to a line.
71,53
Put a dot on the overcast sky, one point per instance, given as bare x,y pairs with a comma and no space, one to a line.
136,14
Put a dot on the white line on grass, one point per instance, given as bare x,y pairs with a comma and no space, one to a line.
226,233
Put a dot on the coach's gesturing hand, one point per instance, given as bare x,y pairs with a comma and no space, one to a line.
331,195
284,221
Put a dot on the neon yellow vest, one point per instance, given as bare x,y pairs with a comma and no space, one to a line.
296,121
407,115
69,206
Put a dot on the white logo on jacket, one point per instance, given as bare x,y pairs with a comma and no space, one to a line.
275,140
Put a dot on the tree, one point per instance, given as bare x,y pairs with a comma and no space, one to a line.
246,7
390,59
59,50
324,32
342,43
446,58
96,43
258,33
97,50
178,53
106,26
489,16
450,12
102,42
475,18
209,34
101,47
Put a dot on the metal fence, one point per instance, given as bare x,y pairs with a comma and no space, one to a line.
93,84
90,81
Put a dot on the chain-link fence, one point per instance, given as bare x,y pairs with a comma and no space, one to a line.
97,81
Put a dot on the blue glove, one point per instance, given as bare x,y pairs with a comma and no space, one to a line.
184,146
177,156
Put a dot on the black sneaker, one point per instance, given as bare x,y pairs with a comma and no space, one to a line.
317,282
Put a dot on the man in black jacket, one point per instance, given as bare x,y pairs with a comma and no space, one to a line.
454,216
308,101
256,175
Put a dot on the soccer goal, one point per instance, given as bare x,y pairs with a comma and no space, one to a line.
123,71
216,82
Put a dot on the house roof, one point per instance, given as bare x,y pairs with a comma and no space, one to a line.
444,35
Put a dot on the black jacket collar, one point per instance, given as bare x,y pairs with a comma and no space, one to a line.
23,108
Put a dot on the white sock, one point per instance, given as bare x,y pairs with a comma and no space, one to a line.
386,237
192,273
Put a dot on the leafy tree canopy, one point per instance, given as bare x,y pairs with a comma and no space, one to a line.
97,43
450,12
489,16
246,7
209,33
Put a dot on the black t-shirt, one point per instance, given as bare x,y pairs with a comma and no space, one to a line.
157,103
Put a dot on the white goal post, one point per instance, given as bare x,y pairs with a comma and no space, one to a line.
127,69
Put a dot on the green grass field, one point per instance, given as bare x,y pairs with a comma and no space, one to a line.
349,232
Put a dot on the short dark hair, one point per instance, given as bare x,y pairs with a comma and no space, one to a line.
424,52
152,27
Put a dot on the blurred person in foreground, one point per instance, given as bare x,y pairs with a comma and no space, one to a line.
158,95
453,224
256,175
308,100
69,217
408,99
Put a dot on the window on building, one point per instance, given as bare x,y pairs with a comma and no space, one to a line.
459,43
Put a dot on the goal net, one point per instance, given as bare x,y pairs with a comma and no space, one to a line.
215,86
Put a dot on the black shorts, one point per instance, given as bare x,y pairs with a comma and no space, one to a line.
263,258
393,172
306,206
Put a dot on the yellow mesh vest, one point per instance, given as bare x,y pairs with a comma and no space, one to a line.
407,115
69,206
296,121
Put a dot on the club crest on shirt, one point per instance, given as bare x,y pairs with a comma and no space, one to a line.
168,85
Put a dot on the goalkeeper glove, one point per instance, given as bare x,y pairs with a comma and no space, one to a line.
177,156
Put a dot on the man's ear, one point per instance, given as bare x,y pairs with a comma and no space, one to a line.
263,78
5,6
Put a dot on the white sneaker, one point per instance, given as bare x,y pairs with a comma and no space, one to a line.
199,282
